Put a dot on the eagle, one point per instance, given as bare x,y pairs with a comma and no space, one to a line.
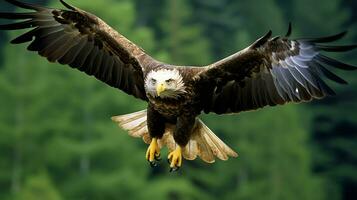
271,71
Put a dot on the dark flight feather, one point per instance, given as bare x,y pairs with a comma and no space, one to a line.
26,37
18,25
334,63
18,15
336,48
327,73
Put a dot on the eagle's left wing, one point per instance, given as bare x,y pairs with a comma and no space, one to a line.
81,40
273,71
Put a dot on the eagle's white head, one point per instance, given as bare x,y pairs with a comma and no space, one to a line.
165,83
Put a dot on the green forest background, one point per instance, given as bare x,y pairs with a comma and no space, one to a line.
57,140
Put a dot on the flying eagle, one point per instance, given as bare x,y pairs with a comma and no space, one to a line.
272,71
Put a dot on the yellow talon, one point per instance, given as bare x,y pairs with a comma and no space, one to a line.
175,158
153,152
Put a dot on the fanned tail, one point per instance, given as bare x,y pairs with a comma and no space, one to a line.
203,143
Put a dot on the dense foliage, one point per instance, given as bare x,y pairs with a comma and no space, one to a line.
57,140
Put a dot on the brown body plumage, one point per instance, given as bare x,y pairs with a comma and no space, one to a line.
272,71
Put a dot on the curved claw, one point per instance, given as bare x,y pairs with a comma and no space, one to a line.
153,164
174,169
156,161
158,157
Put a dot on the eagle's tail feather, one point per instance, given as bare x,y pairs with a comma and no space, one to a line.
134,123
203,143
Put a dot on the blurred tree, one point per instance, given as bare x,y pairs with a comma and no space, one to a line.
183,39
38,188
220,21
148,13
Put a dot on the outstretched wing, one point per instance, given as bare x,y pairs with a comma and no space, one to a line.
274,71
82,41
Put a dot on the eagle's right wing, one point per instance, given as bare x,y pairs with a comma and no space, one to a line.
82,41
273,71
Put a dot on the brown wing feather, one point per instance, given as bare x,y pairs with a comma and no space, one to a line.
273,71
82,41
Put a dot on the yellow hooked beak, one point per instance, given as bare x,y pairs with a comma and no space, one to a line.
160,88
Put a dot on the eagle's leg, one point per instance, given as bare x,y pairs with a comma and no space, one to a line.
156,128
182,134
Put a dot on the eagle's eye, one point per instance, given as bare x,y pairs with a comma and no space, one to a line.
153,81
169,81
